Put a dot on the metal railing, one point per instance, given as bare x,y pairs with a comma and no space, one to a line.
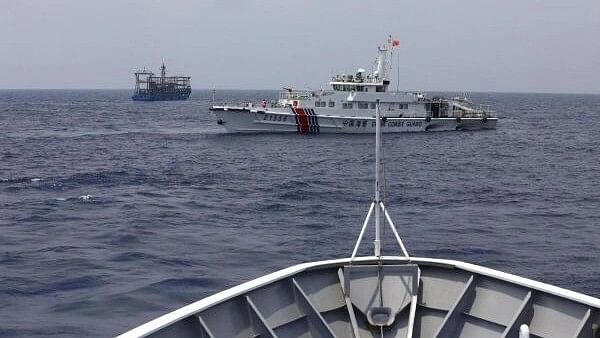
250,105
296,94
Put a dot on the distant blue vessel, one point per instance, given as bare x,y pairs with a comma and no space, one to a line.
161,88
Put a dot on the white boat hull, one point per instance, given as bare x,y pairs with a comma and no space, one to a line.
248,120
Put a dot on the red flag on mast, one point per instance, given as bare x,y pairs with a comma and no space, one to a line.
395,43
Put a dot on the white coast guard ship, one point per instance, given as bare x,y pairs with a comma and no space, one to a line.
350,108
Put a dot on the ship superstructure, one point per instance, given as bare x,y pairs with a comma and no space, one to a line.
160,88
349,107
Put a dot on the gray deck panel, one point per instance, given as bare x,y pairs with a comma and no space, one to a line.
189,327
554,317
496,301
259,324
277,303
398,284
521,316
349,306
339,322
317,322
322,288
235,313
428,321
451,303
454,316
204,331
298,328
400,327
472,327
585,327
441,286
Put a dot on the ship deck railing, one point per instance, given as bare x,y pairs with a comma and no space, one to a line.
478,112
295,95
486,110
249,105
475,110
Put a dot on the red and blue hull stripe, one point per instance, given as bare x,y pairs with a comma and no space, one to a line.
306,120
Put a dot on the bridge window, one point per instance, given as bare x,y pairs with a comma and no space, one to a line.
403,106
373,106
347,105
363,105
331,104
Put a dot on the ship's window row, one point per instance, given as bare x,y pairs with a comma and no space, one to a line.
349,88
324,104
361,105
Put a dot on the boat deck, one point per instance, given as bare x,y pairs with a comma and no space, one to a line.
420,298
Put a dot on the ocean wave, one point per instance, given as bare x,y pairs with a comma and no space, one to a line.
77,180
174,216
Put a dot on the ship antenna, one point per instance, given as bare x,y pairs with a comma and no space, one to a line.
398,74
377,204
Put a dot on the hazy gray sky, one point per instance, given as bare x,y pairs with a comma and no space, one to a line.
471,45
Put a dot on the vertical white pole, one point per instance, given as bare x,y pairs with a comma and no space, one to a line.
377,167
398,75
362,231
524,331
391,224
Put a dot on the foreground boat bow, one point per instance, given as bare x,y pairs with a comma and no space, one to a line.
453,299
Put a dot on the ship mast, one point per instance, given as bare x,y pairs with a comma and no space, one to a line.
163,74
383,60
377,204
377,201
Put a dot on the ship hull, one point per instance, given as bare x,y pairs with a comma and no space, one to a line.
161,97
249,120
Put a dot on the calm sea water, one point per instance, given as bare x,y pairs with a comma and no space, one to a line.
113,212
